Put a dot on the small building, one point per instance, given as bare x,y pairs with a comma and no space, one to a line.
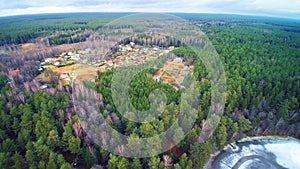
15,72
67,58
110,63
70,53
122,58
40,69
63,75
48,60
132,44
171,48
75,57
117,64
158,79
178,60
87,50
45,86
129,48
123,49
57,63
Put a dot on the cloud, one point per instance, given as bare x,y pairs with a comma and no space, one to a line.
266,7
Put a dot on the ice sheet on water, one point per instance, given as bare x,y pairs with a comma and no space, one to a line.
287,154
261,151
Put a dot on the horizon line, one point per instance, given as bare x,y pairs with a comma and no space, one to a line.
131,12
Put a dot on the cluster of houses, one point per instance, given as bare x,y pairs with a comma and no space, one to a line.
173,72
131,54
125,55
64,59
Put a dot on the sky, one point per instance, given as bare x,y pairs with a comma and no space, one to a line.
281,8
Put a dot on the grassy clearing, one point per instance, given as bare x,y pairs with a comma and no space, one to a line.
172,72
81,72
28,46
85,72
68,69
43,77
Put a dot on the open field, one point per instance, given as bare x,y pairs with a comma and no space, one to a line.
78,71
68,69
172,73
84,72
28,46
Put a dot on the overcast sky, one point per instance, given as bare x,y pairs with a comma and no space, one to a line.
283,8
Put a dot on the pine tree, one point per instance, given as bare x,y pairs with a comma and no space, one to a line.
136,164
51,163
200,153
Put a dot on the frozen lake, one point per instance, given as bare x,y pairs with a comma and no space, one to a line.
260,152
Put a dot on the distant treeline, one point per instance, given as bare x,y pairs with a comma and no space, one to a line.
22,29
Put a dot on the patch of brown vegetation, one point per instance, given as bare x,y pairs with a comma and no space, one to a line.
171,73
68,69
85,72
28,46
176,151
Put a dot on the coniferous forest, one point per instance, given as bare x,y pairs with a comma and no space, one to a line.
40,128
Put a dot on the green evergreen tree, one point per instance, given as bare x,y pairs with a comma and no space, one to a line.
136,164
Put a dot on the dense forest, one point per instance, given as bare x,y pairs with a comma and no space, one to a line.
61,28
40,129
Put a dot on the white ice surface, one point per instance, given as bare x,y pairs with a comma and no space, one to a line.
286,150
287,154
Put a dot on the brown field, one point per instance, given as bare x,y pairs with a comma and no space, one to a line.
68,69
172,72
81,72
28,46
85,72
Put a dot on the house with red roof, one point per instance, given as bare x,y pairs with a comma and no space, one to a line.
63,75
